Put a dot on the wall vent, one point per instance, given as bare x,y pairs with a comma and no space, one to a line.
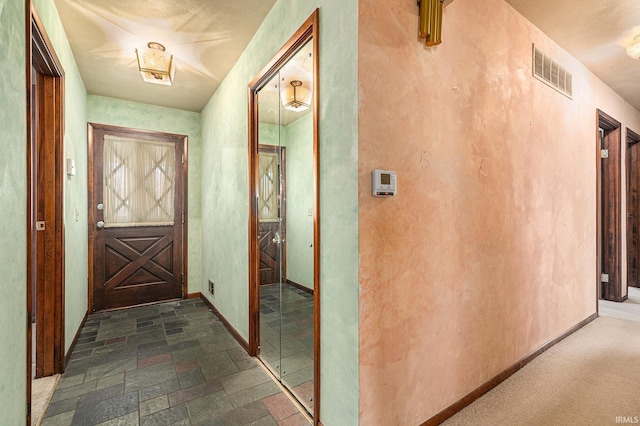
212,289
549,72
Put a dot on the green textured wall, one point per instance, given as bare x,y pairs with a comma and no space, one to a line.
298,138
137,115
75,187
13,196
225,199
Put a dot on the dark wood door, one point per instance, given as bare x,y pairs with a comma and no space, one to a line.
270,259
138,212
272,213
611,285
633,209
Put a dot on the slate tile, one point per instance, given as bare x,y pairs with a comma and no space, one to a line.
153,360
295,420
265,421
114,379
73,391
254,393
186,365
154,405
130,419
170,417
244,380
190,378
194,392
61,406
108,409
159,389
148,376
62,419
246,414
68,381
280,406
108,369
224,367
209,406
100,395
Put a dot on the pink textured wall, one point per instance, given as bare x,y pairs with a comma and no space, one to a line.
489,250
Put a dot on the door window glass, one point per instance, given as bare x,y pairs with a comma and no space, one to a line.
139,186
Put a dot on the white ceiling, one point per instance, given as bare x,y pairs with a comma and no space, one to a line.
596,32
206,38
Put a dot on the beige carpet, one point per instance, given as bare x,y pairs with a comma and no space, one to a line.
590,378
41,393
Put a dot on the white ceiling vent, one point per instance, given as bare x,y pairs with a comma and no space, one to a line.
549,72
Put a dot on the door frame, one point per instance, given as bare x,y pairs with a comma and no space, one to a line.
92,201
50,349
308,30
612,209
633,139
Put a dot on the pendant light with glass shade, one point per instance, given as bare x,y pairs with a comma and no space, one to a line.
295,97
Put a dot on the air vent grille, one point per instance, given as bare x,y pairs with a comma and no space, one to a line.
551,73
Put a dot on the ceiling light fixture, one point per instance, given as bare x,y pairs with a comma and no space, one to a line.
633,49
155,65
296,97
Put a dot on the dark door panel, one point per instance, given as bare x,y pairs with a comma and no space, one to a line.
137,264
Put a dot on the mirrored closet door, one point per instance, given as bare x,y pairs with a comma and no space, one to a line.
284,285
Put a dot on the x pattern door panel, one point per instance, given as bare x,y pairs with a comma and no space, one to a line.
269,253
139,269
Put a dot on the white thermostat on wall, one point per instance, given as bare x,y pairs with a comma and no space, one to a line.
383,183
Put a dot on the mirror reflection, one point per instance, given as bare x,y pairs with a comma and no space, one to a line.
285,212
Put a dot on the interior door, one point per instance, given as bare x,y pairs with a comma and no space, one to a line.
610,208
633,209
272,216
285,207
284,313
138,212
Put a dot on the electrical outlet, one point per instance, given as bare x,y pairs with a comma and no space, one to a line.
212,288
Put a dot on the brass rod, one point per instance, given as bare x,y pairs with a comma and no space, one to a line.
435,27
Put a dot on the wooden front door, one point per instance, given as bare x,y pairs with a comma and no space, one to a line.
272,197
136,216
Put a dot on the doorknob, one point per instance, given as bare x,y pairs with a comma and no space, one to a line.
100,224
276,239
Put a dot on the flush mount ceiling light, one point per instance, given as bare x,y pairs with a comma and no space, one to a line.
633,49
155,65
295,97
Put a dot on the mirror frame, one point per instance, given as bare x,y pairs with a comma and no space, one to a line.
308,31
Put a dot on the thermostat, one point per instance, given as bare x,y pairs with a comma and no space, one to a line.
383,183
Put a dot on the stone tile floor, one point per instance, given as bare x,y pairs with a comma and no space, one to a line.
167,364
286,337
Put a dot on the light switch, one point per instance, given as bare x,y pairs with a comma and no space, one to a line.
71,167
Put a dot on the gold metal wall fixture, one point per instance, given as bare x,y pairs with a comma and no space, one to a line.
430,27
